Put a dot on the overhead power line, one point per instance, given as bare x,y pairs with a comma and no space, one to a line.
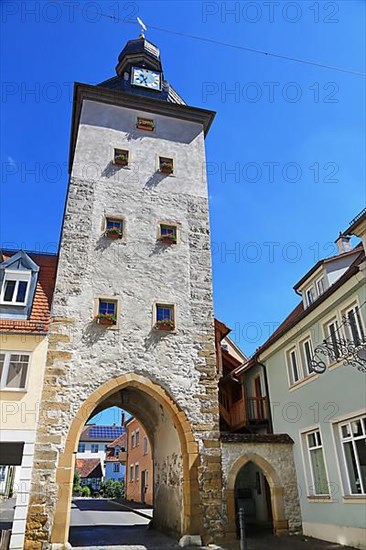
243,48
261,52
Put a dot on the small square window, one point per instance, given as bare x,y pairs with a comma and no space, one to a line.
165,317
168,234
113,228
145,124
107,312
121,157
166,165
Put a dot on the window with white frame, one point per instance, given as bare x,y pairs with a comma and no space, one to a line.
131,472
320,286
310,295
133,440
332,335
352,457
15,287
293,366
137,471
353,325
137,438
145,445
94,447
316,473
116,468
13,370
81,448
306,351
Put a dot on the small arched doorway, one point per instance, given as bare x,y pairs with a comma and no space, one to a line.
253,495
175,454
269,509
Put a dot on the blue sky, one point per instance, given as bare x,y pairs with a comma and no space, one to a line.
285,155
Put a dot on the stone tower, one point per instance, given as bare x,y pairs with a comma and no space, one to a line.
132,315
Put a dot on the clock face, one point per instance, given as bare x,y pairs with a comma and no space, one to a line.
146,78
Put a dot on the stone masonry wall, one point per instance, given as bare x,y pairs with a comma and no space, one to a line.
280,457
138,272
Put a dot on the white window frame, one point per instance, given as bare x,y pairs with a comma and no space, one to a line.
17,276
133,440
81,445
4,375
305,367
132,470
137,438
326,333
312,290
94,445
343,462
137,471
289,363
322,280
116,468
308,465
358,321
145,445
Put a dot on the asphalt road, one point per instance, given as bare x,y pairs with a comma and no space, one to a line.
100,522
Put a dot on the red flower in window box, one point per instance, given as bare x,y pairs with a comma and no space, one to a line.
121,159
164,324
168,239
113,233
166,167
106,319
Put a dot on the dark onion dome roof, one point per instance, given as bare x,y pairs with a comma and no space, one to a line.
140,53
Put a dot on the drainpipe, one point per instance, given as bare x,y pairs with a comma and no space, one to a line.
264,370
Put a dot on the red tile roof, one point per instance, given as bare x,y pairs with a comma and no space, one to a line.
120,441
39,319
89,467
300,312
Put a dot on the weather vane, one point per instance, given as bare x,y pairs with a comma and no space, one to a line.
143,27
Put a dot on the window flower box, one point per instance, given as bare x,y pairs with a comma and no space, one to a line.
164,324
121,158
145,124
113,233
166,168
106,319
168,239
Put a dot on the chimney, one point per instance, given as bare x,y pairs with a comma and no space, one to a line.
123,419
343,244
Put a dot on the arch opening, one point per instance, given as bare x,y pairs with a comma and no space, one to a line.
253,495
253,484
174,454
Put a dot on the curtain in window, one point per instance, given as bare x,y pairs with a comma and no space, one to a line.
319,472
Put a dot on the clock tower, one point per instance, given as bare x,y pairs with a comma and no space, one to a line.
133,323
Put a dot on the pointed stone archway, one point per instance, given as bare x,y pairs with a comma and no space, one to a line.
280,523
151,400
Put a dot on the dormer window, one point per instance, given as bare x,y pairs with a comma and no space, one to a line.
18,279
320,286
310,295
15,287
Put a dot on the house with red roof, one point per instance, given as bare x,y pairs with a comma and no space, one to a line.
312,372
90,471
27,283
